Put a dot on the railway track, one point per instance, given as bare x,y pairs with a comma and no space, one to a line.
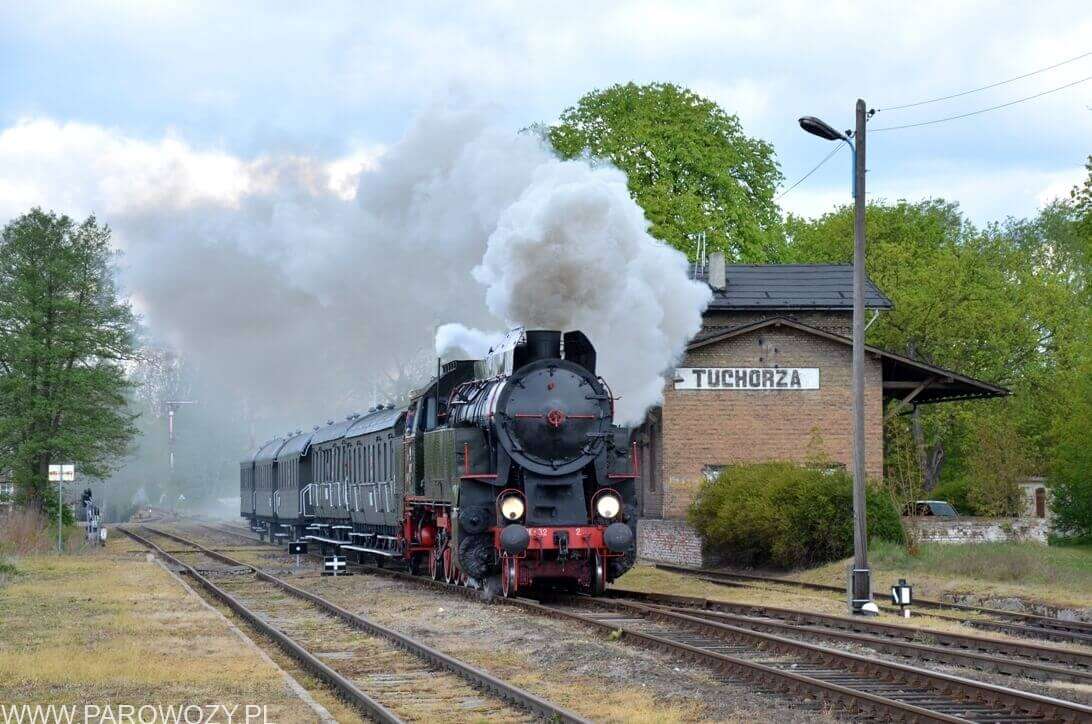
976,652
855,684
751,643
866,683
388,676
1033,660
1011,622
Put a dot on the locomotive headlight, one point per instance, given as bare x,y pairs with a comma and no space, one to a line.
511,507
608,505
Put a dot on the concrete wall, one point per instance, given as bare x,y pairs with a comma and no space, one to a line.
979,530
710,428
669,541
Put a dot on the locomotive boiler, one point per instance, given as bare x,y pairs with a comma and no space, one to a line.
505,473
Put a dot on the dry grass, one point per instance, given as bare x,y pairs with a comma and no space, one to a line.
1054,576
24,531
104,628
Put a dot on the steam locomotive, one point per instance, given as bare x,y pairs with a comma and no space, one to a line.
504,473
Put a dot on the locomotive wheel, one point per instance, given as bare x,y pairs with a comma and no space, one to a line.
449,566
599,574
509,577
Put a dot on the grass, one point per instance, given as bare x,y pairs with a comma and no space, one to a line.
1058,576
101,627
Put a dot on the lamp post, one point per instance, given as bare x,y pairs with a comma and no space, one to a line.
859,584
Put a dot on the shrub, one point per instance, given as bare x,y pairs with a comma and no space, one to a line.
25,530
955,492
782,514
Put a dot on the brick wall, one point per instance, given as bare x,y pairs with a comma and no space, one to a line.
669,541
836,322
979,530
702,428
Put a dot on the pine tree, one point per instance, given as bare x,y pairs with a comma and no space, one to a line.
64,338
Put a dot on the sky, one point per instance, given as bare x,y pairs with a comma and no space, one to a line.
104,106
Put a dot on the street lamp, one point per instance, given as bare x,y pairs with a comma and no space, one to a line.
859,584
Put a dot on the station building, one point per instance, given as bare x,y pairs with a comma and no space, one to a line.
769,377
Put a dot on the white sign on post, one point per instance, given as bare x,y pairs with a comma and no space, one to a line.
54,473
747,378
68,473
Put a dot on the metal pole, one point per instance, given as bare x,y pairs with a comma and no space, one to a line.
60,512
861,583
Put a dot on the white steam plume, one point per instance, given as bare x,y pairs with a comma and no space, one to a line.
574,252
298,298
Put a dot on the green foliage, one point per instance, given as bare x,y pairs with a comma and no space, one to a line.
955,492
782,514
63,338
1008,304
689,164
996,464
1071,463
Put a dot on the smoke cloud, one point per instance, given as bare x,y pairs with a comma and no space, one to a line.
297,290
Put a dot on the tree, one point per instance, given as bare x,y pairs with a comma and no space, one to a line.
963,298
996,463
1070,434
689,164
64,336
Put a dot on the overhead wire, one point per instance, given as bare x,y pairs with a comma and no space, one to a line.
957,116
983,110
986,87
809,173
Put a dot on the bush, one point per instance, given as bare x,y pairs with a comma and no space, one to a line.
955,492
25,530
786,515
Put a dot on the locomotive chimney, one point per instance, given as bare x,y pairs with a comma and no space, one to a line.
717,278
541,344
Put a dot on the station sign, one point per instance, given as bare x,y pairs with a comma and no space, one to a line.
62,473
761,379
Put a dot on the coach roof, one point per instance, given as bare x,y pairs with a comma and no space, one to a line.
374,422
789,286
295,447
268,452
334,431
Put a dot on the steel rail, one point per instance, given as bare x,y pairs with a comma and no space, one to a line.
1023,703
795,682
477,677
926,652
1037,623
1037,653
790,682
981,691
309,661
